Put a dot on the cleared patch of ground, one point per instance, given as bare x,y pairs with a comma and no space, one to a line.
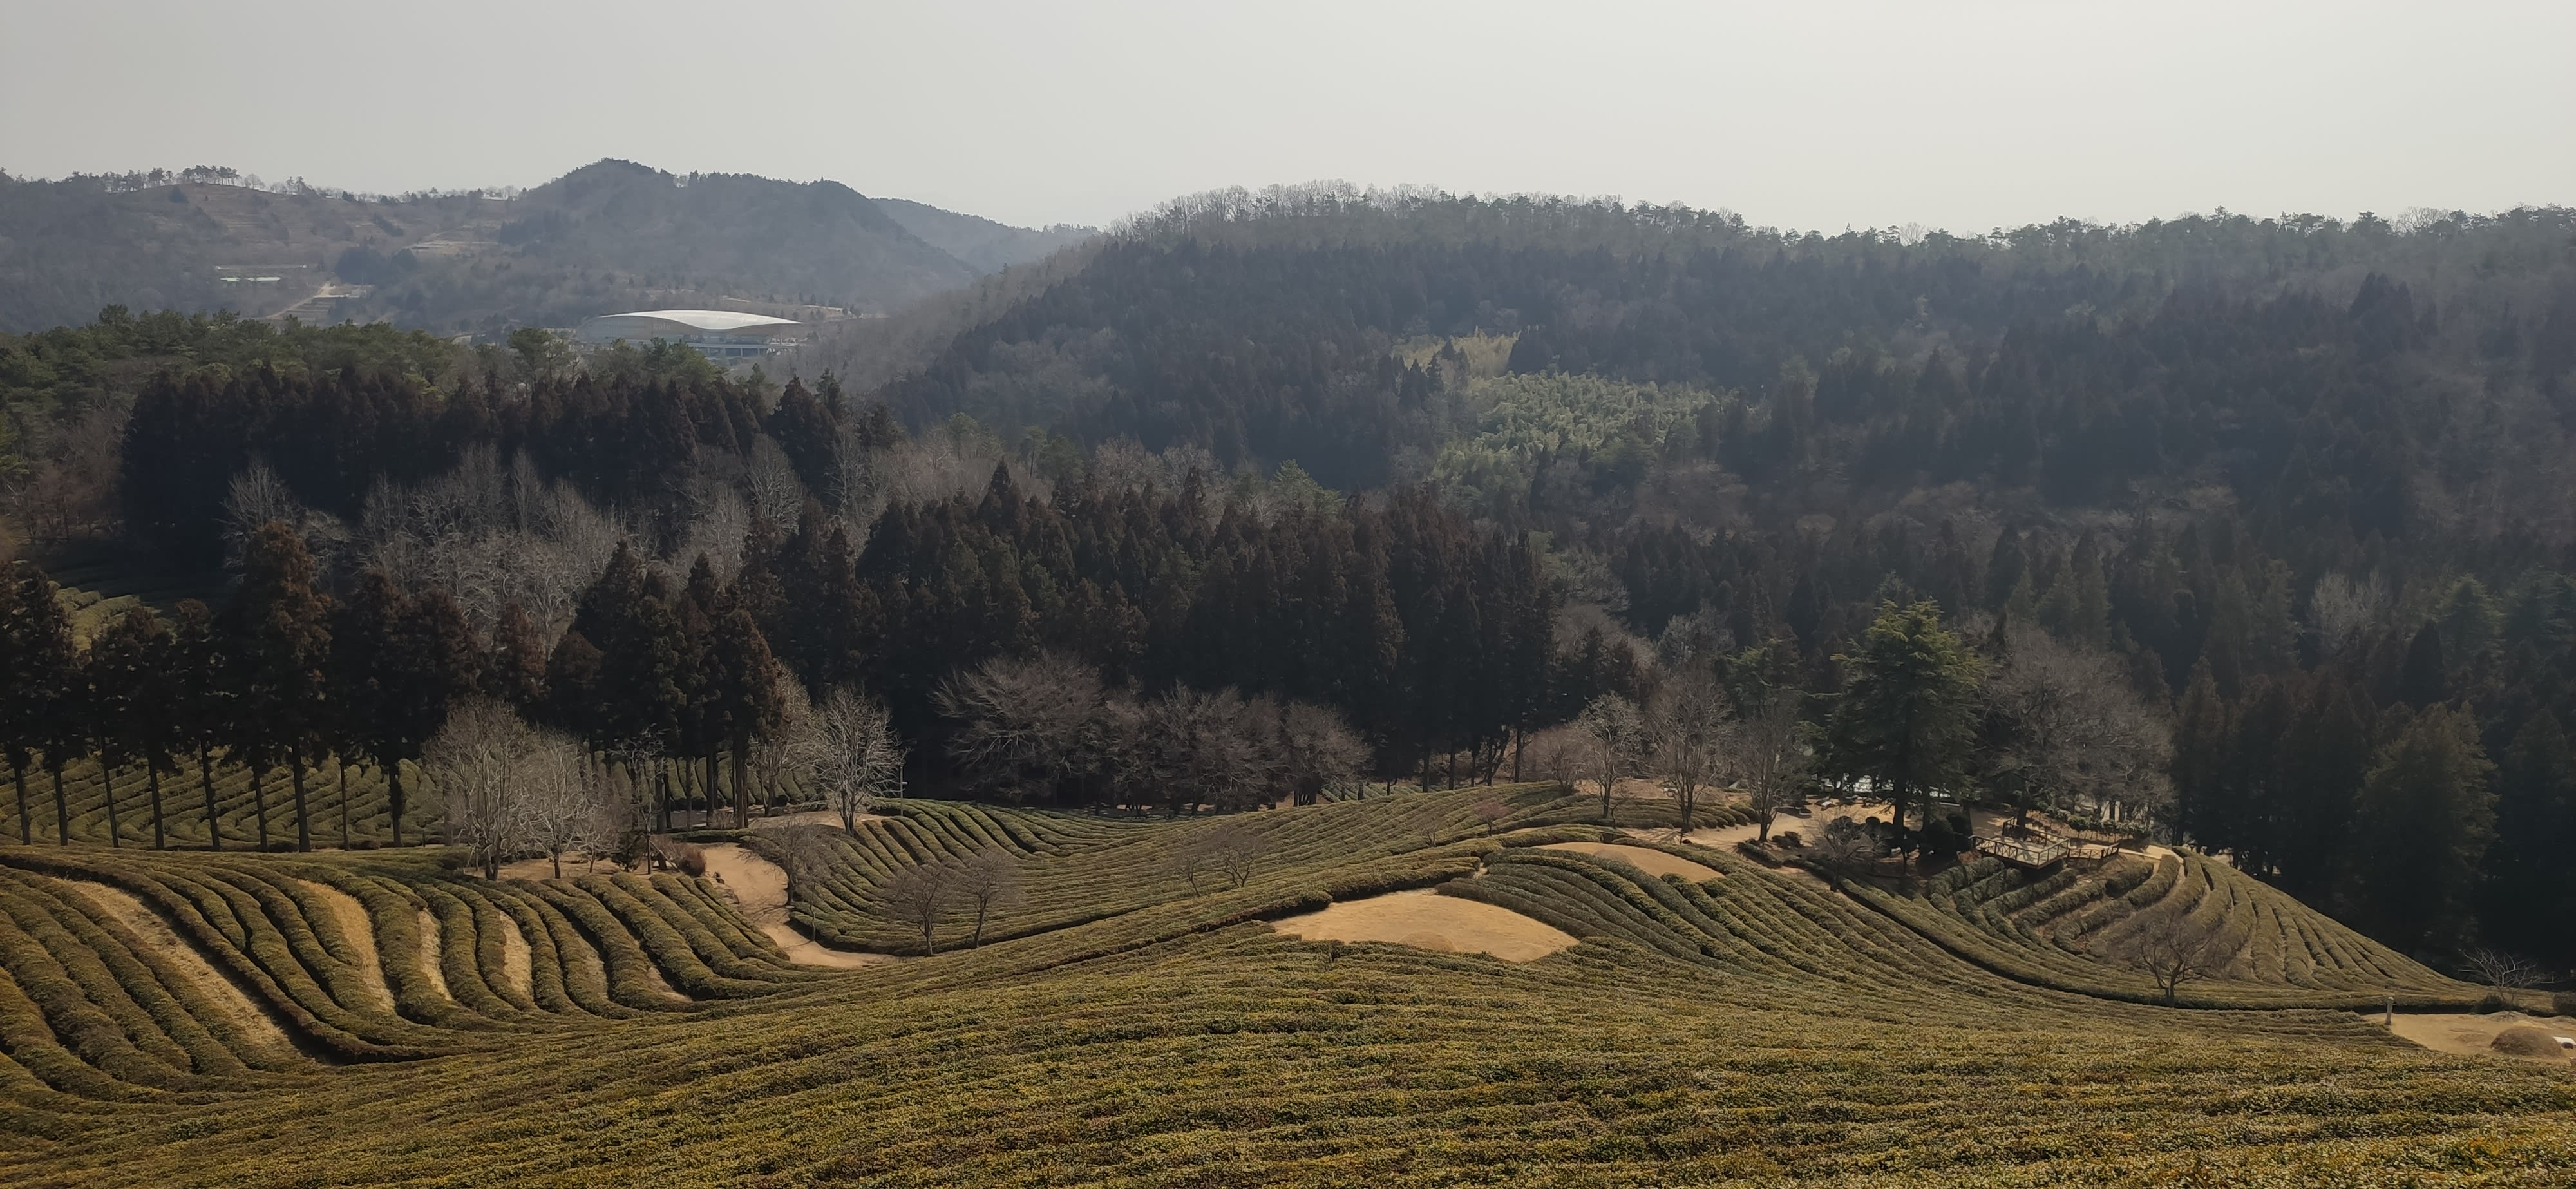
1428,920
2470,1034
432,941
360,931
759,891
1646,859
517,962
147,925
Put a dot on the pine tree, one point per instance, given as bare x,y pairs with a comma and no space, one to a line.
1908,709
205,693
2531,890
515,672
44,688
2427,816
2425,680
2200,748
747,697
135,672
285,640
22,684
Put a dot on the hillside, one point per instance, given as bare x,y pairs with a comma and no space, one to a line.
982,244
611,235
190,1019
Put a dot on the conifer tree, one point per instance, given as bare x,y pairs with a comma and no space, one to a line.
2427,815
515,672
45,685
285,641
746,696
134,670
1907,711
22,685
205,695
2425,680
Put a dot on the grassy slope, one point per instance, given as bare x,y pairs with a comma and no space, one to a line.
1749,1026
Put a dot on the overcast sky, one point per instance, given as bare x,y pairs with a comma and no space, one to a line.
1795,113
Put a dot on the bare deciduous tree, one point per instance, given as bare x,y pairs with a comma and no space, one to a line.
2497,968
1615,738
988,881
2342,608
1761,753
2172,951
476,764
1685,727
1029,726
1320,751
2074,727
918,897
1229,850
852,754
559,799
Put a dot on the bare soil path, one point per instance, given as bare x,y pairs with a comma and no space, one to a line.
1646,859
1427,920
759,891
2470,1034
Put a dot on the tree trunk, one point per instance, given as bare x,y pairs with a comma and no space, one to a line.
714,790
152,783
394,794
303,820
107,788
62,809
742,786
26,825
978,943
259,803
206,777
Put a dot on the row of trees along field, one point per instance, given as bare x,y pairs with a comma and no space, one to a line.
2283,487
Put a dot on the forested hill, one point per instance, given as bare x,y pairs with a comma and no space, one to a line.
608,236
2078,358
982,244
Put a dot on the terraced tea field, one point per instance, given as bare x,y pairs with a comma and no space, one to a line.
368,1018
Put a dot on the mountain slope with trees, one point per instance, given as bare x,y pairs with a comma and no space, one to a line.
609,236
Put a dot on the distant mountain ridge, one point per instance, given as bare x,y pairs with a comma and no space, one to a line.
611,235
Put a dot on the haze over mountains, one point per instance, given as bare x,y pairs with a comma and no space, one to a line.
610,235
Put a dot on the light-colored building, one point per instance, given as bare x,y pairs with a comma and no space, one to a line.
721,335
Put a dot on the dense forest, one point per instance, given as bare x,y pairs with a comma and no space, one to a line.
2255,533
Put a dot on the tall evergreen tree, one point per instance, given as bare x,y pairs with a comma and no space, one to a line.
285,641
1908,708
2426,818
134,672
205,691
45,689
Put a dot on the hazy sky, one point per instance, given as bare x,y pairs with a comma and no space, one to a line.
1800,114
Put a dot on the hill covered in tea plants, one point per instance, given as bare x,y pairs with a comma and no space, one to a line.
183,1018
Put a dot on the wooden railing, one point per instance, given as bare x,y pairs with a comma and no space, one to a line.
2026,852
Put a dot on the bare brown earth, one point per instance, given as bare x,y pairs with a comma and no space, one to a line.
147,926
2470,1034
759,891
1427,920
355,926
432,944
1646,859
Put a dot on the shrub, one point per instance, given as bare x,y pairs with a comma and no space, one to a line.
692,861
451,859
2563,1003
1788,838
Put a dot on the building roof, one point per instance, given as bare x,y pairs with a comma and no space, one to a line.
710,321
